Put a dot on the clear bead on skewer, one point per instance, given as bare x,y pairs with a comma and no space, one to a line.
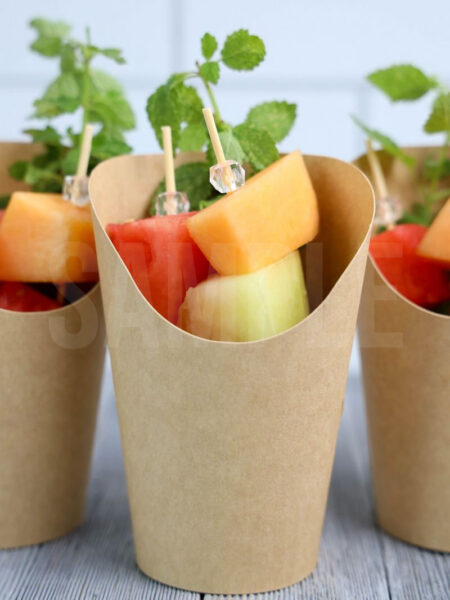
76,190
227,177
388,211
171,203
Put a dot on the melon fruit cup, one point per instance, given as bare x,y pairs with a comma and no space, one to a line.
50,376
405,355
228,446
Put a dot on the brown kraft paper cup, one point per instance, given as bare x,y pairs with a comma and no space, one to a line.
405,355
50,376
229,446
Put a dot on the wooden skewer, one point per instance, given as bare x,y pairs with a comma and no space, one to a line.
214,135
82,168
379,180
83,160
168,159
217,147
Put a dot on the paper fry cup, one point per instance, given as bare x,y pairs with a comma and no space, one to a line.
50,375
405,353
229,446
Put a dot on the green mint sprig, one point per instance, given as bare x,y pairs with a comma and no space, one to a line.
178,104
78,88
406,83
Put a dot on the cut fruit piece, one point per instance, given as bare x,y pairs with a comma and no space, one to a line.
243,308
44,238
23,298
162,259
273,214
435,244
419,279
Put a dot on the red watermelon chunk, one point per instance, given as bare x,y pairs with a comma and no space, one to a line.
162,258
23,298
421,280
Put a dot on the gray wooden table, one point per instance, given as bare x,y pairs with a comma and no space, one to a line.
357,560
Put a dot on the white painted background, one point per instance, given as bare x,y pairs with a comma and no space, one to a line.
318,52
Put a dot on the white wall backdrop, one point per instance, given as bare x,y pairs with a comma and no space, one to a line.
318,52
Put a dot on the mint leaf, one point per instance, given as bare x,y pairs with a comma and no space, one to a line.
190,103
439,120
177,78
175,103
70,161
68,58
114,54
103,82
50,157
193,179
51,36
438,195
259,148
172,104
42,177
99,96
163,108
49,136
18,169
193,137
210,71
434,169
419,215
111,108
46,28
106,145
386,143
209,45
274,117
63,95
402,82
242,51
231,148
47,46
108,104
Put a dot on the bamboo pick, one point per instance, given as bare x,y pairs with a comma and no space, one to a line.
168,159
379,180
86,144
217,147
82,168
214,135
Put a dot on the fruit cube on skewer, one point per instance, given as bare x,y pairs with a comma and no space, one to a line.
243,308
275,213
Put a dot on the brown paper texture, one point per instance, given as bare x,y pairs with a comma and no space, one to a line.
405,354
50,375
228,447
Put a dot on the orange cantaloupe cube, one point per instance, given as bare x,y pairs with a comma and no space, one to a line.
274,213
44,238
435,244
